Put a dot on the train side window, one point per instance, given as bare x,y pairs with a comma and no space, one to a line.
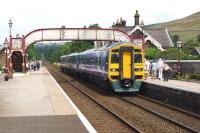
115,58
92,61
97,61
138,58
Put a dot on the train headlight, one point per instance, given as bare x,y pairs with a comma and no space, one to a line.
139,69
127,83
114,70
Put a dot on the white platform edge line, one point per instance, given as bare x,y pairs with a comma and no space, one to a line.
85,122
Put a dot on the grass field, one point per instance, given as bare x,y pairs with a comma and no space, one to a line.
187,28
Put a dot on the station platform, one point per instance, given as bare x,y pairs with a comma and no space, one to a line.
1,76
177,84
35,103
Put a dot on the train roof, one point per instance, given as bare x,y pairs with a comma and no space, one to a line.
63,56
72,54
88,51
98,49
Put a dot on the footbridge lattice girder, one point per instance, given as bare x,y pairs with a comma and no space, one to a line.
64,34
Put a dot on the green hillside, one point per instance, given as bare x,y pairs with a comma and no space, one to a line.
187,28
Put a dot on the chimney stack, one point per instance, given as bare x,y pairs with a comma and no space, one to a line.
137,18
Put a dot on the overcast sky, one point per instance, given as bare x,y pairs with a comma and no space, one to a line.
28,15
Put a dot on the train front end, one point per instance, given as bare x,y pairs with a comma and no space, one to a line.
126,67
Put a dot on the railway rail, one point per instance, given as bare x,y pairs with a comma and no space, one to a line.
169,106
160,115
97,102
125,120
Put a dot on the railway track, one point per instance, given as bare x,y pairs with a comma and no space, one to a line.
160,115
128,123
97,102
169,106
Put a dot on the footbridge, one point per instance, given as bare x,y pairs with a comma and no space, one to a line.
64,34
17,46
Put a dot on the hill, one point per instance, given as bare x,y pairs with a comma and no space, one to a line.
187,28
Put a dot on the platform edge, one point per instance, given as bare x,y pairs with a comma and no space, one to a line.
83,119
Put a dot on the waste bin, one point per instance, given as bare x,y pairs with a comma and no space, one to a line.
6,77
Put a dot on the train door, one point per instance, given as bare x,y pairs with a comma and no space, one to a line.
126,65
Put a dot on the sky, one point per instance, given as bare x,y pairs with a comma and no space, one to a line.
28,15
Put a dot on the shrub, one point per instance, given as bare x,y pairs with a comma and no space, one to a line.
195,76
152,53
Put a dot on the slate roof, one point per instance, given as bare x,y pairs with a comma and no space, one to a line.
161,35
126,29
196,51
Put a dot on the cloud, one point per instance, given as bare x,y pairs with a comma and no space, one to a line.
33,14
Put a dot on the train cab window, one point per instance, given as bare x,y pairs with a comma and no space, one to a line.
138,58
115,58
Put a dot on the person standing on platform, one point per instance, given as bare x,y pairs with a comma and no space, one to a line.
34,65
147,68
38,65
166,71
160,67
153,69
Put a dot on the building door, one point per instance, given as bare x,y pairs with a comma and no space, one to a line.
17,61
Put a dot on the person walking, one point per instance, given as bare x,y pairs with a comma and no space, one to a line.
166,71
160,67
153,69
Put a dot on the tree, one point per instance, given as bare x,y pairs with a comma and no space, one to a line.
94,26
152,53
32,52
79,46
176,39
198,38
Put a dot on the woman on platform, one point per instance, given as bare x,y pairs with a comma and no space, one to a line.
166,71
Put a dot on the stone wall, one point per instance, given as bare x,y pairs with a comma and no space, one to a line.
188,66
2,57
177,97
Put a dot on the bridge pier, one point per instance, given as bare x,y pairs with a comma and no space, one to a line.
16,57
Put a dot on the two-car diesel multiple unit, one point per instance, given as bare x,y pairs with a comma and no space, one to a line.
119,65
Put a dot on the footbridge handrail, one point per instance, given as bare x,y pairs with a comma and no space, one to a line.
64,34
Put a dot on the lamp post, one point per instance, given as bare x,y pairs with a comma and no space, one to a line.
6,43
179,46
10,23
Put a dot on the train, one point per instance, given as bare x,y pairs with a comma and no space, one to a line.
117,66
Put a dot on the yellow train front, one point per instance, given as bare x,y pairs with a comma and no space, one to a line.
125,67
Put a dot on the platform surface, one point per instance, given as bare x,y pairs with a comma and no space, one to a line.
33,103
177,84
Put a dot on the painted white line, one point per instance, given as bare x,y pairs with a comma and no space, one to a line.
85,122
